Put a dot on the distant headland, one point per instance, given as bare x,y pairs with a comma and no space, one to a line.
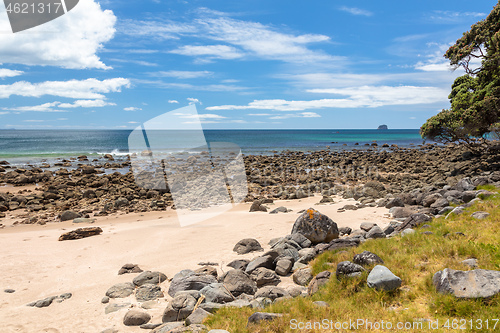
382,127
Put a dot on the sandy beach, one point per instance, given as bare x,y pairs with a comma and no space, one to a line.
36,265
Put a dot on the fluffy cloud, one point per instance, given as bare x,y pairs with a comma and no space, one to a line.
366,96
76,89
4,72
70,41
132,108
86,103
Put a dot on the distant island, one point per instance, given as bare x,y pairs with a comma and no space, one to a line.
382,127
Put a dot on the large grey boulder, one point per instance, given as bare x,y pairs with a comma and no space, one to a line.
367,258
149,277
257,206
216,293
480,215
239,282
189,280
381,278
179,308
479,283
265,277
247,245
120,290
348,269
465,184
316,227
239,264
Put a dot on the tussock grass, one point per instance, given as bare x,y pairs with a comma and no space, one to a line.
414,258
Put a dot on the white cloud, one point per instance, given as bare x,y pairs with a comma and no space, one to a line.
83,89
4,72
210,51
132,122
86,103
173,101
70,41
259,114
297,115
132,108
46,107
33,121
235,39
448,16
365,96
199,116
356,11
193,100
182,74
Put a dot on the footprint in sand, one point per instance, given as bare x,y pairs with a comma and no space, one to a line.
16,329
51,330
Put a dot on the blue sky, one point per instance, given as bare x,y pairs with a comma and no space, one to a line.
244,64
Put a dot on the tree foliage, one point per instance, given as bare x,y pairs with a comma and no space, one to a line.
475,96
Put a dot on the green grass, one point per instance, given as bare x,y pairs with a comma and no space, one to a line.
414,258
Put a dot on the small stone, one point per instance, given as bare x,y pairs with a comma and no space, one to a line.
472,263
105,300
257,317
367,226
247,245
149,277
321,304
406,232
9,291
148,292
110,308
367,258
129,268
136,318
302,276
480,215
348,269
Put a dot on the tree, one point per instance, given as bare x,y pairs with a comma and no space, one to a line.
475,96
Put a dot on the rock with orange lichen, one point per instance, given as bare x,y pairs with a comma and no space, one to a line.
316,227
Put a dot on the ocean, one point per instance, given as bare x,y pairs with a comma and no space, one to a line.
33,146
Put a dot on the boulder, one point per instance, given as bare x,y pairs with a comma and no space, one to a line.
69,215
265,277
238,282
84,220
284,265
381,278
121,202
179,308
348,269
120,290
375,232
395,202
247,245
189,280
413,221
197,317
318,281
216,293
479,283
271,292
81,233
279,210
367,258
267,260
149,277
367,226
207,270
257,206
239,264
401,212
136,318
465,184
302,276
299,239
316,227
148,292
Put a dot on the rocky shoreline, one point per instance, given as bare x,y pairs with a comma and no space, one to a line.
411,178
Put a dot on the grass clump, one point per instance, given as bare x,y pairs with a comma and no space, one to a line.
415,258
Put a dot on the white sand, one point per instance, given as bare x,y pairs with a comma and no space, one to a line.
37,265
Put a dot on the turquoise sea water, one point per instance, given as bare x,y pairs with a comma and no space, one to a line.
27,145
